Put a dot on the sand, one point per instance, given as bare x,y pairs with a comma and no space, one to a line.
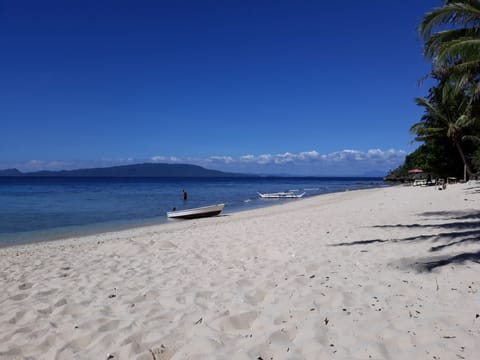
389,273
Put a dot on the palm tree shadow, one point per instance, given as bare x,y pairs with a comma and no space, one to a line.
472,190
429,264
464,231
457,215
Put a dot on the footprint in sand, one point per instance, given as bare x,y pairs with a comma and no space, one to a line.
18,297
202,298
241,321
280,337
108,326
60,302
72,348
243,283
46,311
25,286
46,292
165,245
18,315
254,297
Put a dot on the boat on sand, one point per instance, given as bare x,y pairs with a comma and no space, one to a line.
194,213
281,195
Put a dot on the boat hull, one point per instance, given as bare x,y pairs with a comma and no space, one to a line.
195,213
281,195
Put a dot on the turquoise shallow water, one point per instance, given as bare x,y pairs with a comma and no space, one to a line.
37,209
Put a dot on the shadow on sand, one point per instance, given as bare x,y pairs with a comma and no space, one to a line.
464,231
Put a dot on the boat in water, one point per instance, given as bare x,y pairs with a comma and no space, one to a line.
195,213
281,195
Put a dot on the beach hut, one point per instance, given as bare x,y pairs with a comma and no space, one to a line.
417,177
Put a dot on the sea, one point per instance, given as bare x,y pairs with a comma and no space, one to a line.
47,208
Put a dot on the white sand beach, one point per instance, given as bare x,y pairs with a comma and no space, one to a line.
390,273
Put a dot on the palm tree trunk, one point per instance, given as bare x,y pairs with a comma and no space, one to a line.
464,159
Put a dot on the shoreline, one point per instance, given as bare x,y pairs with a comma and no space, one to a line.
378,273
76,231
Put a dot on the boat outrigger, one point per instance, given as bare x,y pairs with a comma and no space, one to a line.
281,195
201,212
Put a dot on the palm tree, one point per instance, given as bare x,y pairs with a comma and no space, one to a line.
451,36
448,114
455,47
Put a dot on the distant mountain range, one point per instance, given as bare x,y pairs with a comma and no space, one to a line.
136,170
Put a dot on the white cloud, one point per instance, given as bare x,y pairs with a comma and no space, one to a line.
312,163
308,163
224,159
168,159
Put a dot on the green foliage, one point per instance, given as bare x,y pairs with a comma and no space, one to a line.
450,126
437,157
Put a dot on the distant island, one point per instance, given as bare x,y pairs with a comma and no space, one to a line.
136,170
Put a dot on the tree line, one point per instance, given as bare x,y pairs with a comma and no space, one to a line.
449,128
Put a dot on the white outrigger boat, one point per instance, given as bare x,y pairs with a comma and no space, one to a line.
201,212
281,195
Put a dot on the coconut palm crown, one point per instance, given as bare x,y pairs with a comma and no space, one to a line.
451,35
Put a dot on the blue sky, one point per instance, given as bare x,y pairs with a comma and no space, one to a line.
298,87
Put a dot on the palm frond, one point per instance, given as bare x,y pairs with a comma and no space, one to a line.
435,40
466,14
458,51
427,133
476,92
469,67
464,121
432,110
472,138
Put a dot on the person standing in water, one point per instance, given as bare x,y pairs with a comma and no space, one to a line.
184,195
